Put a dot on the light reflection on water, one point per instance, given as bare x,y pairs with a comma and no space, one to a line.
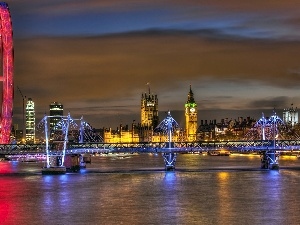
137,190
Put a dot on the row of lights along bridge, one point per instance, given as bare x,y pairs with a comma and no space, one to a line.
146,131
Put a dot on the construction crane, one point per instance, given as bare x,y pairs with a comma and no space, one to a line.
23,112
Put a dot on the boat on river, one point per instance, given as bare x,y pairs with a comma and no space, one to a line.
219,153
54,170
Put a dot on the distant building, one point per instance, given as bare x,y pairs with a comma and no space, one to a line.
227,129
149,110
149,116
121,135
191,117
56,112
290,116
18,136
207,130
30,122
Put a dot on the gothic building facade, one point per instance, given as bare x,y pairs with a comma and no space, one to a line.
145,130
149,111
191,114
149,116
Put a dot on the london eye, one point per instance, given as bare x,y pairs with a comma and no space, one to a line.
6,48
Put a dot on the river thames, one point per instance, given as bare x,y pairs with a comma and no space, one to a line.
135,189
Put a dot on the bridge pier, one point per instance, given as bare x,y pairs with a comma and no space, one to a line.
269,160
54,165
170,159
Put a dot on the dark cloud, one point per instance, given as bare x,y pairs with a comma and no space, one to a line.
259,18
236,5
270,103
99,71
113,59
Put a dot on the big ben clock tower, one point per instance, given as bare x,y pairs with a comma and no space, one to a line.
191,117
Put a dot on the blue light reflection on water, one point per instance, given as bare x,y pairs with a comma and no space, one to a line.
54,198
170,203
170,179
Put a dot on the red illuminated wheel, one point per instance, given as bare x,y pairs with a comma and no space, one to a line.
6,41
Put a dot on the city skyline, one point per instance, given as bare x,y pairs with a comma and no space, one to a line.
97,57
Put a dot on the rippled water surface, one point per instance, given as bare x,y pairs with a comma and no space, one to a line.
135,189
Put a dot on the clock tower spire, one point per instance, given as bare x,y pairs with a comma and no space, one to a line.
191,117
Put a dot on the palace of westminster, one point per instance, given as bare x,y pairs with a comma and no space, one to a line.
145,130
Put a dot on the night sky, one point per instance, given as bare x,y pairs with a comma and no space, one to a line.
242,58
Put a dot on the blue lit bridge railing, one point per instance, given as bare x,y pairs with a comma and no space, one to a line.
148,147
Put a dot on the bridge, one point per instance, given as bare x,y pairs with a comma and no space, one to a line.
263,147
57,151
150,147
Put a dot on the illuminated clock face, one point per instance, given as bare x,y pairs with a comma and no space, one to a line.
192,109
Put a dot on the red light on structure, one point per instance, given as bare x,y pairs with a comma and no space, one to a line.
6,38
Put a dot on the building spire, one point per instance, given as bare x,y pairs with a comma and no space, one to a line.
191,96
148,84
